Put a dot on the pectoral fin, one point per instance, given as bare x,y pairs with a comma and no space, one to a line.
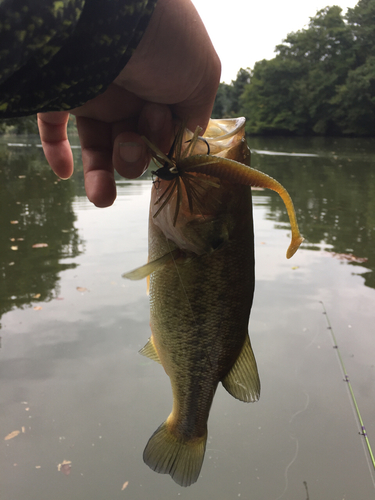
242,382
150,267
149,350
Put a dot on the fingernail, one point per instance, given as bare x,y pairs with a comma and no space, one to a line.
130,151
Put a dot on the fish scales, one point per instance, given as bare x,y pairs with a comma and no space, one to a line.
199,318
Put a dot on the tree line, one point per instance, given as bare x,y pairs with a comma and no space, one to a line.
28,125
321,81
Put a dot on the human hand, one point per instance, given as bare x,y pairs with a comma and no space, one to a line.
173,74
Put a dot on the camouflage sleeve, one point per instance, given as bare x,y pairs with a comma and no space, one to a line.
57,54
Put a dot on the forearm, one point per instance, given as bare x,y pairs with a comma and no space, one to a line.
58,58
117,93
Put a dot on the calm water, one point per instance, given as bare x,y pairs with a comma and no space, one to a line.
72,380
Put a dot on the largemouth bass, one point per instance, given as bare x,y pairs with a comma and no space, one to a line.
201,285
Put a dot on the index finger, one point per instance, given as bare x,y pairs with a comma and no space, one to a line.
55,143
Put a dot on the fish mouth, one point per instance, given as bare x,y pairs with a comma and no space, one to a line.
185,163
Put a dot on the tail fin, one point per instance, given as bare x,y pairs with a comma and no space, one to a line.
167,454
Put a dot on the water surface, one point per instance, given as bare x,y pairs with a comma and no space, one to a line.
71,327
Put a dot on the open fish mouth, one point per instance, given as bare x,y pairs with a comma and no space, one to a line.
185,160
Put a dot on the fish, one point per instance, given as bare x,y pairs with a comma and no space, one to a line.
200,274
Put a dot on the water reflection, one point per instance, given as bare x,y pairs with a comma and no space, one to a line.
37,228
93,400
334,195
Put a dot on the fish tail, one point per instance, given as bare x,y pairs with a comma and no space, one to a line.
167,453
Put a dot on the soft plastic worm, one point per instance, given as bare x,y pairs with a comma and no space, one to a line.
236,172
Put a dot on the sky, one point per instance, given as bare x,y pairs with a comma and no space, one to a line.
246,31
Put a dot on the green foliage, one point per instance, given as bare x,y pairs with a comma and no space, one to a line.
227,103
268,100
362,22
222,103
28,125
355,100
237,89
322,80
22,125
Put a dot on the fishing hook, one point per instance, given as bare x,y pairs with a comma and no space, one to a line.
204,140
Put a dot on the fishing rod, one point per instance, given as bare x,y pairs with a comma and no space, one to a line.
362,432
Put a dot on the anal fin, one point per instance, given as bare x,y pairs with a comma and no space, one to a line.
242,382
149,350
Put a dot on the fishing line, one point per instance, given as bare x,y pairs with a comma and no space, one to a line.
303,409
288,467
362,431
